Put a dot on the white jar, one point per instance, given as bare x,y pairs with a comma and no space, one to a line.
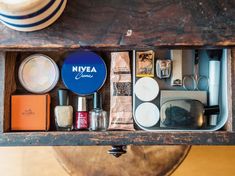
30,15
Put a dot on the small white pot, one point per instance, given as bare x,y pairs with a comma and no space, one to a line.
30,15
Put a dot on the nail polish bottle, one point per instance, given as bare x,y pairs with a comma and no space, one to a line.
97,116
81,121
63,112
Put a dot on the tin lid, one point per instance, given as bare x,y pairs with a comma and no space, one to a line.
147,114
81,104
20,6
38,73
84,72
146,89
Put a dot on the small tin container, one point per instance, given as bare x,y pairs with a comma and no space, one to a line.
84,72
38,73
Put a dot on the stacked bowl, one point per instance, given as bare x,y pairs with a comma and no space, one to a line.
30,15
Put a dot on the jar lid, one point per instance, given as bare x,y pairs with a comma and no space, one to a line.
15,6
38,73
146,89
84,72
147,114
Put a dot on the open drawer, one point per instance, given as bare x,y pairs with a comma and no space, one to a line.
9,64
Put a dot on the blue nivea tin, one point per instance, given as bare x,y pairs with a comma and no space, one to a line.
84,72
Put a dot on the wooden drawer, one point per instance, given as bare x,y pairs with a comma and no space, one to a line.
9,68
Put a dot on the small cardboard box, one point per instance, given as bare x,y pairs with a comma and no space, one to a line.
30,112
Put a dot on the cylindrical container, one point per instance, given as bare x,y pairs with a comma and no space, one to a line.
215,57
38,73
84,72
214,80
81,121
28,15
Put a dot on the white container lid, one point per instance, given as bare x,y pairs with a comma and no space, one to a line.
147,114
146,89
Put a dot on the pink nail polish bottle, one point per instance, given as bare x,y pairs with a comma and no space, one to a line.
81,120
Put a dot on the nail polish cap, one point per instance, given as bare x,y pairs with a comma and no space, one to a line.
63,97
81,104
97,101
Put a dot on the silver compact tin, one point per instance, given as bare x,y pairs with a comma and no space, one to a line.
38,73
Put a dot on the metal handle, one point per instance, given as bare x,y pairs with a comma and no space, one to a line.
117,150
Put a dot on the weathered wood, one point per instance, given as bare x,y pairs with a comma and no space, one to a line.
13,85
10,87
139,160
86,138
230,84
55,138
132,24
2,86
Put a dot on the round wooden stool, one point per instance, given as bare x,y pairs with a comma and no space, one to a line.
139,160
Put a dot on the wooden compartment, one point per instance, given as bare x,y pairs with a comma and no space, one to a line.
12,86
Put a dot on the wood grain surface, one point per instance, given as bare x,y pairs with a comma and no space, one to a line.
132,24
13,85
233,86
86,138
2,86
139,160
10,87
230,84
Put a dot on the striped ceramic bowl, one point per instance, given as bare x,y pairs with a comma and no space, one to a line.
30,15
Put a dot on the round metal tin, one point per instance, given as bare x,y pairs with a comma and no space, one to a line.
38,73
84,72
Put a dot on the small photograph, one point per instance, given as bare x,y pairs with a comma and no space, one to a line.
145,64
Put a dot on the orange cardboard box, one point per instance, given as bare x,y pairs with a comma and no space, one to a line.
30,112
